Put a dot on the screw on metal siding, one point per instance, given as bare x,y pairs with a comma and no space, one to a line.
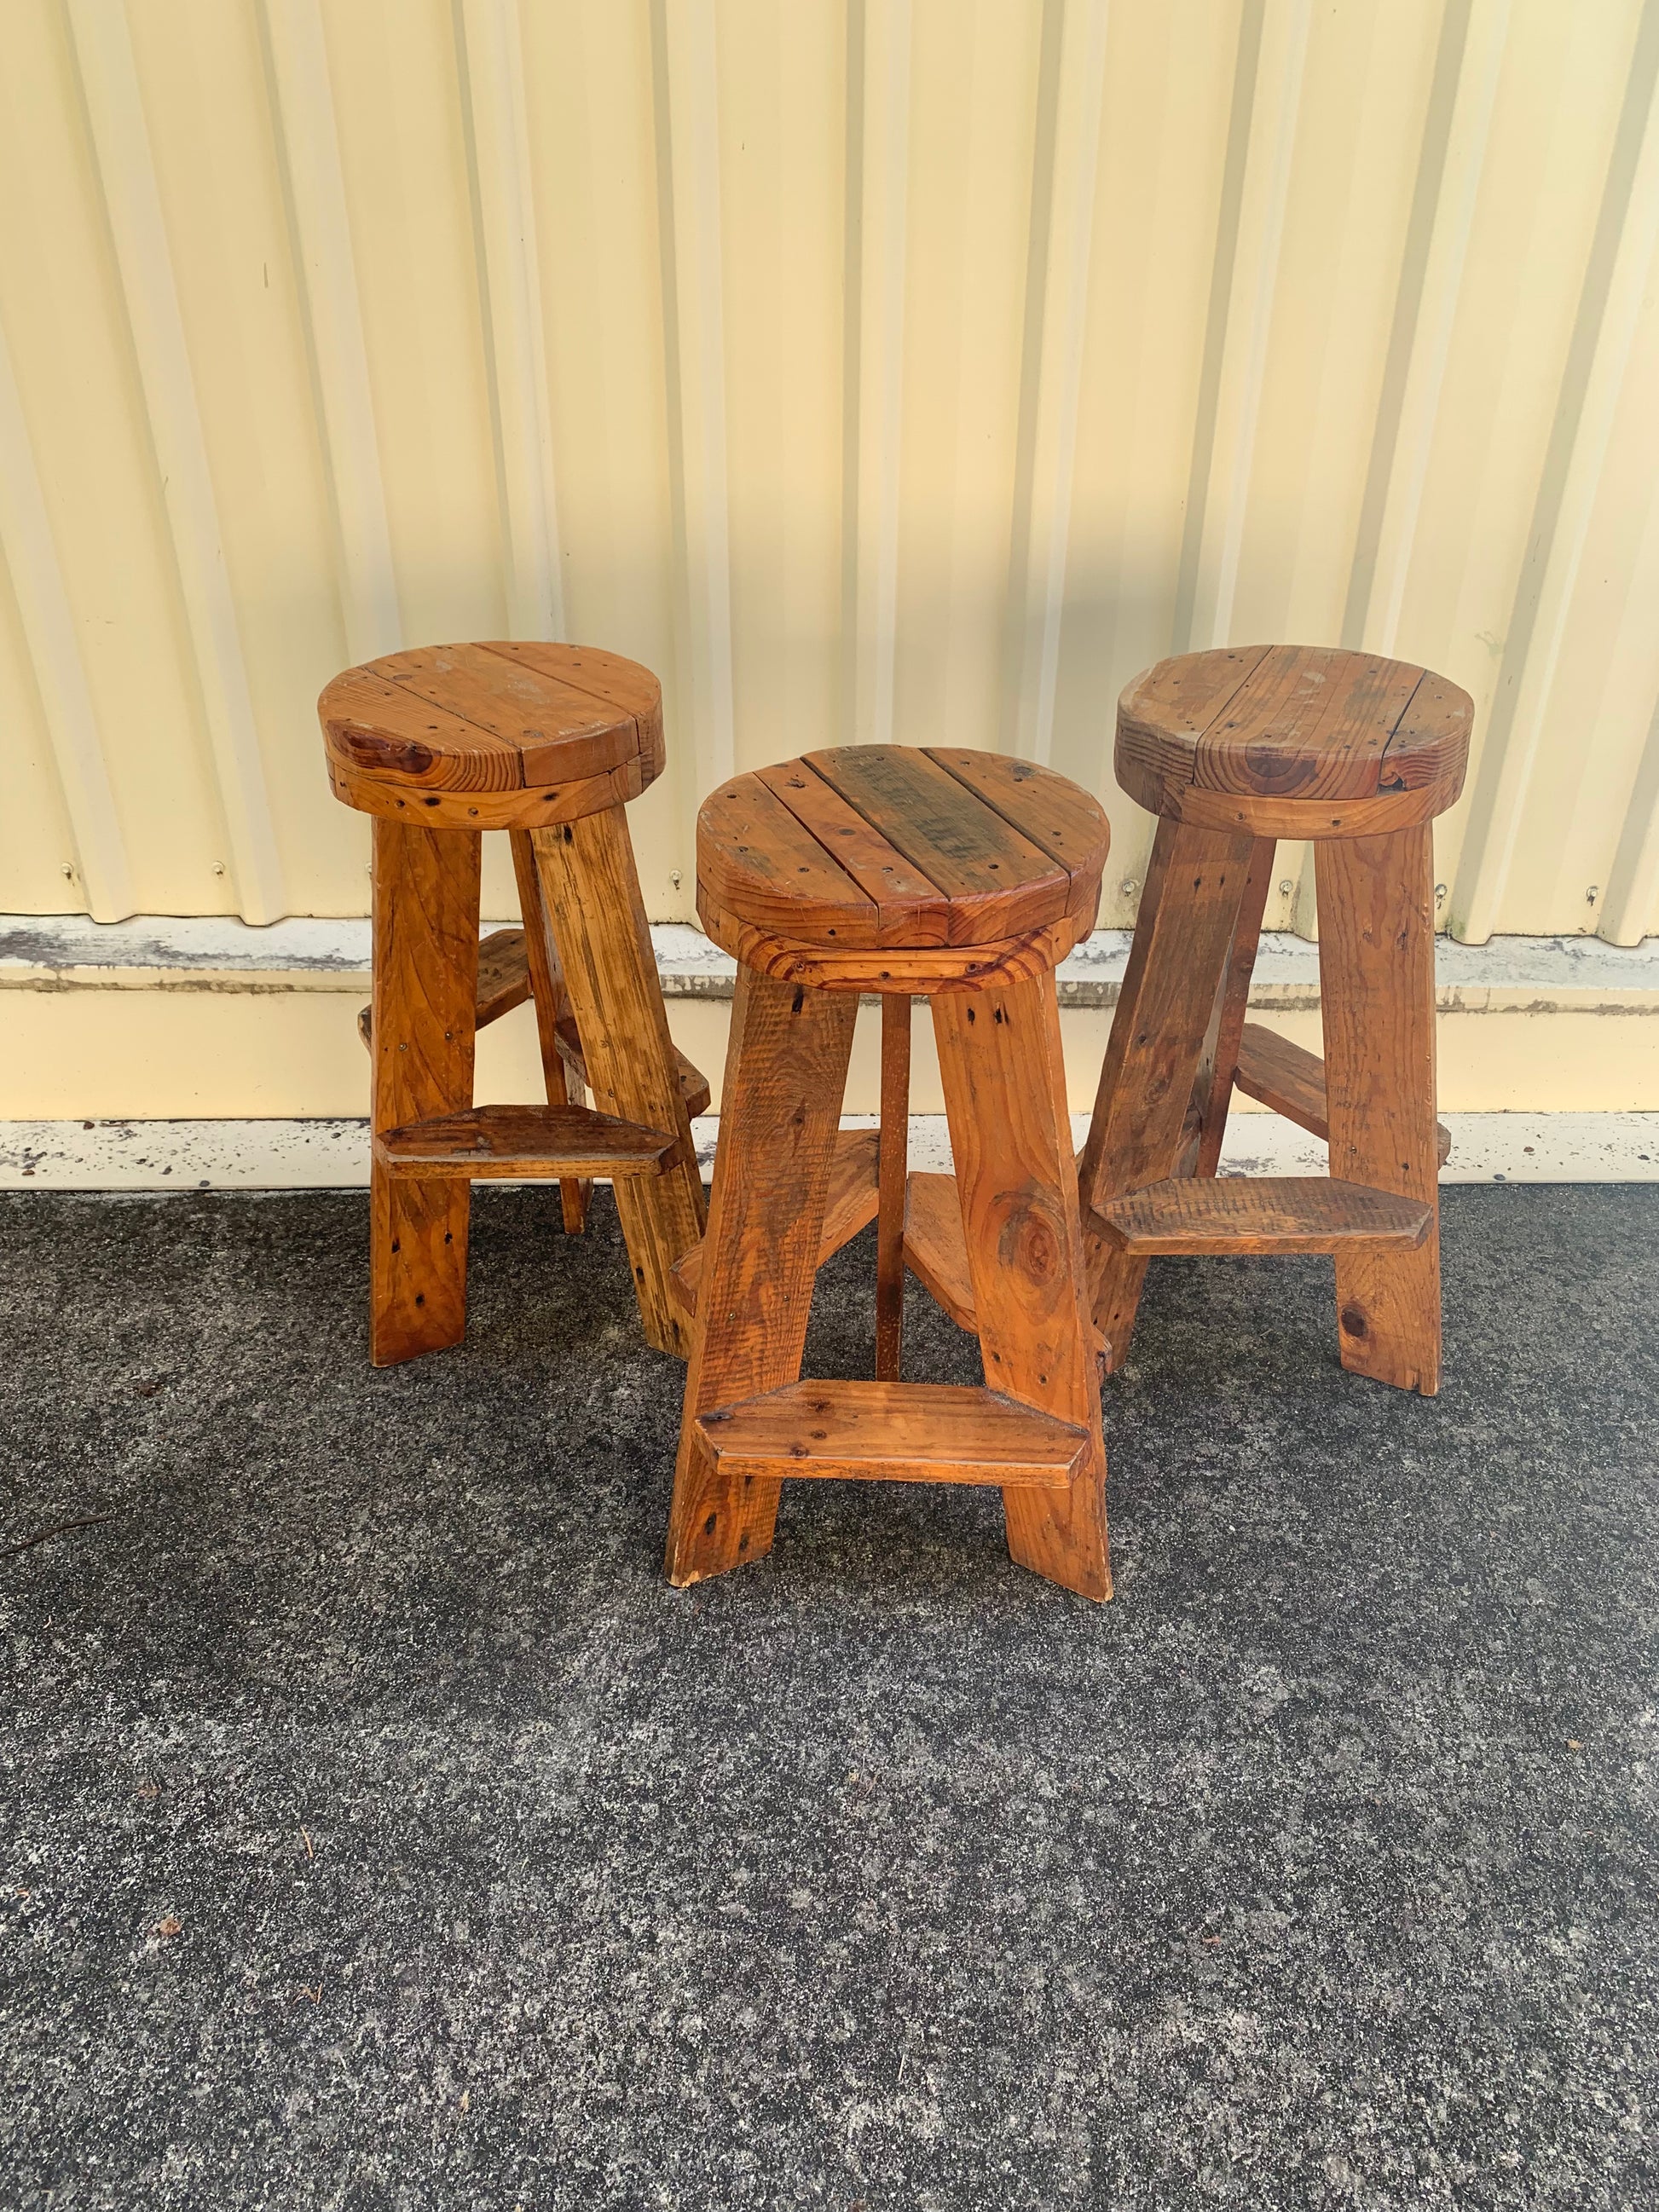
1440,894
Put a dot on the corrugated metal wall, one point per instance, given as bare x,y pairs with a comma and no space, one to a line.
901,367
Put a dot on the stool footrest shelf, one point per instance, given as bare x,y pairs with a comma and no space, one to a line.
521,1141
1260,1213
892,1432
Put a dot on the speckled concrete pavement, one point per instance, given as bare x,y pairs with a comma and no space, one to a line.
377,1828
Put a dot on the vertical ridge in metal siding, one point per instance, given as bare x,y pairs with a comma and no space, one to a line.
688,143
489,51
100,856
1631,908
120,138
878,175
1458,123
308,138
1621,267
1071,100
1272,58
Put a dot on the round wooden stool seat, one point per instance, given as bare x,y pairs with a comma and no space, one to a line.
500,736
1293,741
887,868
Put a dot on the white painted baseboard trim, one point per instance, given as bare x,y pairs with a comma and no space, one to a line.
131,1156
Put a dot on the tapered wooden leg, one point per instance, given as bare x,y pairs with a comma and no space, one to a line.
591,893
891,1169
785,1073
1377,987
1183,935
1010,1134
423,1027
547,990
1214,1091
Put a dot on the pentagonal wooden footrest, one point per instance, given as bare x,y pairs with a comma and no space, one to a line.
892,1432
504,984
521,1141
1260,1213
1292,1081
851,1206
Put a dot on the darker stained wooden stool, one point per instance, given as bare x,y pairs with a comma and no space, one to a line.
1234,750
549,743
963,878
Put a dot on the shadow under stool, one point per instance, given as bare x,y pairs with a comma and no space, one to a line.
549,743
1233,749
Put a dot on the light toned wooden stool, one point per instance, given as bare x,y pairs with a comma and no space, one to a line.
963,878
1234,750
549,743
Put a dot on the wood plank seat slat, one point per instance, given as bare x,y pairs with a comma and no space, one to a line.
1240,1214
517,1141
892,1432
851,1205
1291,1079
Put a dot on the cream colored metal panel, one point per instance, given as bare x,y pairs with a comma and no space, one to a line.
916,368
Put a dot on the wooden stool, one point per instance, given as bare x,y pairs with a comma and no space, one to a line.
1233,749
548,742
963,877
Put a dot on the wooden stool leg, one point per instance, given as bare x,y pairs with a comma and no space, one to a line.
424,1020
785,1072
892,1163
547,990
1376,985
592,892
1183,935
1213,1092
1011,1133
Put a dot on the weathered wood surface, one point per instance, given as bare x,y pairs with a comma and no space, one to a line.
1294,723
1240,1214
518,1141
850,1205
591,893
1291,1079
540,963
892,1432
1177,963
1004,1094
786,1073
426,968
492,718
893,1166
1377,987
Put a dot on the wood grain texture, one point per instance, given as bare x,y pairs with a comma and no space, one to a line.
1004,1094
1294,726
785,1073
591,892
1217,1063
1291,1079
935,1248
534,956
1260,1213
884,1432
519,1141
909,909
999,884
757,862
1056,815
1189,909
932,969
393,800
850,1205
492,717
894,1135
1376,988
426,972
